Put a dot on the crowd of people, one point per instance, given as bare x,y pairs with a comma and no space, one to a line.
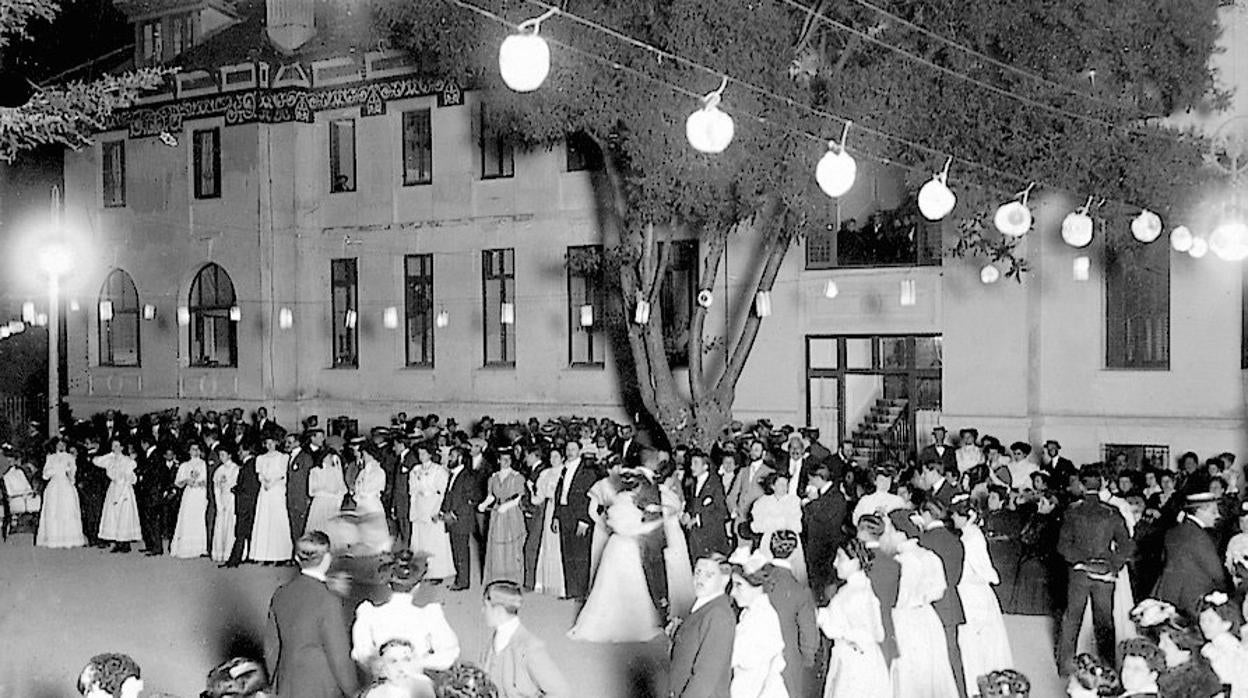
776,566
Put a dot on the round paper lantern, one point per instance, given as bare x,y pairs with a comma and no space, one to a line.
936,200
1199,247
830,290
990,274
705,298
709,130
1013,219
1181,239
836,172
524,61
1229,241
1147,226
1077,229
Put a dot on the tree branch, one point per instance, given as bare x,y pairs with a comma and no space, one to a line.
778,238
710,270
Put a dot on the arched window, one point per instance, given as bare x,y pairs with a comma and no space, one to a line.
214,336
119,320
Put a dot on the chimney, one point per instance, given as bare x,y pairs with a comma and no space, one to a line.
290,23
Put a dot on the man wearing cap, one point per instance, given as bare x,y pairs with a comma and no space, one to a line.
938,450
1192,566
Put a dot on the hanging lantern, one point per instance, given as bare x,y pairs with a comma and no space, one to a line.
641,315
1229,241
762,303
936,200
708,129
1181,239
443,319
837,169
1080,268
1014,218
524,57
507,313
587,315
285,318
1199,247
106,310
5,332
351,319
990,274
73,305
909,292
149,312
184,315
830,290
1077,227
17,327
28,311
1146,227
236,313
41,320
706,298
390,318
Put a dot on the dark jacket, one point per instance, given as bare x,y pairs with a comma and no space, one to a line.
524,668
297,498
1192,567
948,546
702,652
577,508
823,522
306,645
246,493
152,478
463,494
795,606
1095,533
949,459
708,509
885,576
399,494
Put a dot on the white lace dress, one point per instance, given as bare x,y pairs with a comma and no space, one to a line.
60,522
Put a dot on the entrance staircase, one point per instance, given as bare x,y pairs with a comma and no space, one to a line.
884,434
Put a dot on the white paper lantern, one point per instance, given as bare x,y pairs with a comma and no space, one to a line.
1077,229
41,320
524,61
1081,267
642,314
390,318
762,303
830,290
708,129
236,313
5,333
149,312
17,327
1199,247
443,319
73,305
587,315
1013,219
990,274
28,311
184,315
909,292
106,310
1146,227
285,318
836,171
706,298
1229,241
936,200
507,313
1181,239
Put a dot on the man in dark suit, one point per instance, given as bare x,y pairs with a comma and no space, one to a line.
701,664
152,480
706,510
938,451
937,538
575,526
398,486
92,487
842,461
797,464
261,424
1192,566
939,482
306,645
795,606
459,509
172,499
516,661
111,426
1061,469
297,499
823,522
626,446
246,493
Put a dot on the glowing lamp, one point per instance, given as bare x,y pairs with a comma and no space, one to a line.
1080,268
351,319
41,320
443,319
762,303
106,310
524,61
909,292
5,332
149,312
55,259
708,129
236,313
936,200
17,327
587,315
285,318
73,305
390,318
1013,219
1077,228
28,311
507,314
990,274
184,315
1181,239
836,171
1146,227
830,290
706,298
1229,241
641,315
1199,247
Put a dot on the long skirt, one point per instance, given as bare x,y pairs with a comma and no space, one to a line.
324,508
985,644
120,522
190,537
550,558
858,671
922,670
223,529
679,569
504,550
432,537
270,535
60,522
619,608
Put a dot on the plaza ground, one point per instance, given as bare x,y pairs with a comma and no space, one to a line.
178,618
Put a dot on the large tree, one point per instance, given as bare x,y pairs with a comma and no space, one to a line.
1108,67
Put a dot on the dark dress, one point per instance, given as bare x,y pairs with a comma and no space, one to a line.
1191,679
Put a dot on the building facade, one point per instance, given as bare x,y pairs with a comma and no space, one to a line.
325,232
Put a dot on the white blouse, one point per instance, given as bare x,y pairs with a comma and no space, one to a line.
758,653
434,642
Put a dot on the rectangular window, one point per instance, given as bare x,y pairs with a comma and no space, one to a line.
417,147
498,158
1140,457
582,153
676,298
342,155
418,303
182,32
153,47
498,293
114,158
344,291
586,306
1137,306
898,237
207,163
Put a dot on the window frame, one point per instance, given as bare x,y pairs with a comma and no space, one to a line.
580,154
349,280
335,157
181,31
199,311
595,293
113,151
155,53
1123,350
197,163
496,145
425,282
105,328
506,257
423,152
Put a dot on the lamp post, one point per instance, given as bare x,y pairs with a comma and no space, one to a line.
55,259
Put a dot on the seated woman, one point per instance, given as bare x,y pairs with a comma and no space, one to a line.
424,627
110,676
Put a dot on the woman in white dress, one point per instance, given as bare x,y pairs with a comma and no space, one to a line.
120,520
602,495
327,487
922,670
427,485
224,478
190,536
983,640
270,533
369,485
853,622
619,607
550,554
60,522
758,649
676,555
435,645
777,510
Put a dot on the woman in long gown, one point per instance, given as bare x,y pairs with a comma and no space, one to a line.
270,533
224,478
369,485
602,495
777,510
60,522
983,640
427,485
922,670
550,554
758,649
504,552
619,607
853,622
676,555
120,520
190,536
327,487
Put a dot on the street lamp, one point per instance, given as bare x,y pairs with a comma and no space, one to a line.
55,259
